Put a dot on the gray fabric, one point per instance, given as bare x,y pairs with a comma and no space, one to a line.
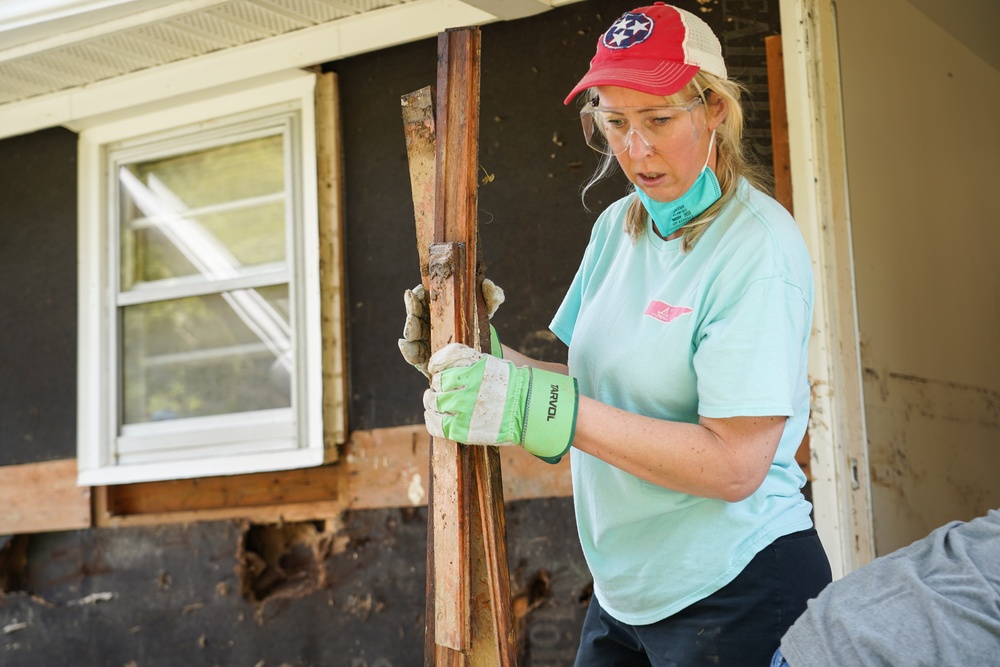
934,603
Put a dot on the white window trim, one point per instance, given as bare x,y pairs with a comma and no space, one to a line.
97,414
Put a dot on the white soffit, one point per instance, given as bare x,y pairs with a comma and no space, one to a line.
65,61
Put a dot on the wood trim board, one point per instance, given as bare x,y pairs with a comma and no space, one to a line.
39,497
379,469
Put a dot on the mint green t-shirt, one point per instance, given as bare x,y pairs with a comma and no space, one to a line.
719,331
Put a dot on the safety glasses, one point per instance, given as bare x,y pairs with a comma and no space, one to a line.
662,129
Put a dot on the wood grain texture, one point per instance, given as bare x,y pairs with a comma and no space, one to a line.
42,497
469,620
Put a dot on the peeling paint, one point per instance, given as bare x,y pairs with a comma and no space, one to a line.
415,492
14,627
93,598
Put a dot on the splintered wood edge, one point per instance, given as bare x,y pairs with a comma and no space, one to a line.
421,151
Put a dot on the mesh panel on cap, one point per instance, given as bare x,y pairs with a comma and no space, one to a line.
702,45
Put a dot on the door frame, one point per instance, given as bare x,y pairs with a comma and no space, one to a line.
837,434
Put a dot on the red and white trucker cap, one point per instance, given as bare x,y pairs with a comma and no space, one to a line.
656,49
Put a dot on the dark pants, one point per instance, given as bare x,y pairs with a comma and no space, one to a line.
739,625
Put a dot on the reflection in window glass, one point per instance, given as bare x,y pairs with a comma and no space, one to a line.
216,213
207,355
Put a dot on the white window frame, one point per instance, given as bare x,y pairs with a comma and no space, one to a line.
247,442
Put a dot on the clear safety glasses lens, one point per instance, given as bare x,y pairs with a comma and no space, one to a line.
663,129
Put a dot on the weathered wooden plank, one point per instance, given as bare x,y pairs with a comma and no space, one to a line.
421,152
448,514
451,321
282,513
331,264
490,624
469,620
42,497
489,506
388,467
382,468
282,487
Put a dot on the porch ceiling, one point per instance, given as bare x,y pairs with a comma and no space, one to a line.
50,46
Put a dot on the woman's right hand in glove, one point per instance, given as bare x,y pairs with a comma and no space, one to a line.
415,344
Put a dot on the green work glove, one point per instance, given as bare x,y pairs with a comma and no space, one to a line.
478,399
415,344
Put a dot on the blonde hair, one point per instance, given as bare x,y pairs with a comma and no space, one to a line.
732,160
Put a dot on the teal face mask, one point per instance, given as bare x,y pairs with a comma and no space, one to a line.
671,216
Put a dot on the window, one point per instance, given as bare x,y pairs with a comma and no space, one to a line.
200,339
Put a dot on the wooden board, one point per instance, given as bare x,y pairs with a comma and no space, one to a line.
469,620
381,468
388,467
283,487
449,558
331,263
42,497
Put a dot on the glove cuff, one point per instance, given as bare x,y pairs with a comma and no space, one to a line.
550,415
495,348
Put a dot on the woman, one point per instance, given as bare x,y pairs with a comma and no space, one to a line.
685,396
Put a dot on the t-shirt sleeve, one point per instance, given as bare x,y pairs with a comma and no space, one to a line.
564,321
749,353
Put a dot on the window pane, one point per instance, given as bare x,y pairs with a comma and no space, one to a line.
207,355
216,213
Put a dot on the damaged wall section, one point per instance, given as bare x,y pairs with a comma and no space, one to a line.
312,593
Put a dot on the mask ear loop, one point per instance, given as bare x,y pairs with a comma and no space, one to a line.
711,145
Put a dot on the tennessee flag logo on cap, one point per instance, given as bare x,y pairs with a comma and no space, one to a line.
629,30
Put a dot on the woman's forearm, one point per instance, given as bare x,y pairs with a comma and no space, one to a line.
716,458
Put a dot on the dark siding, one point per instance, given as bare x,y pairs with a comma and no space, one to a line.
38,297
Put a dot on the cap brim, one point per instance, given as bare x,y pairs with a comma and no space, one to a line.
656,77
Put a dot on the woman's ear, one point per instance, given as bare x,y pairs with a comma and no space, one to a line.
718,109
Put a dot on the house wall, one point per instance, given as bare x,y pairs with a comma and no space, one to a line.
920,138
347,590
38,297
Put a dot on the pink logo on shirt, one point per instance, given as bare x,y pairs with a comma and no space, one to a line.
664,311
